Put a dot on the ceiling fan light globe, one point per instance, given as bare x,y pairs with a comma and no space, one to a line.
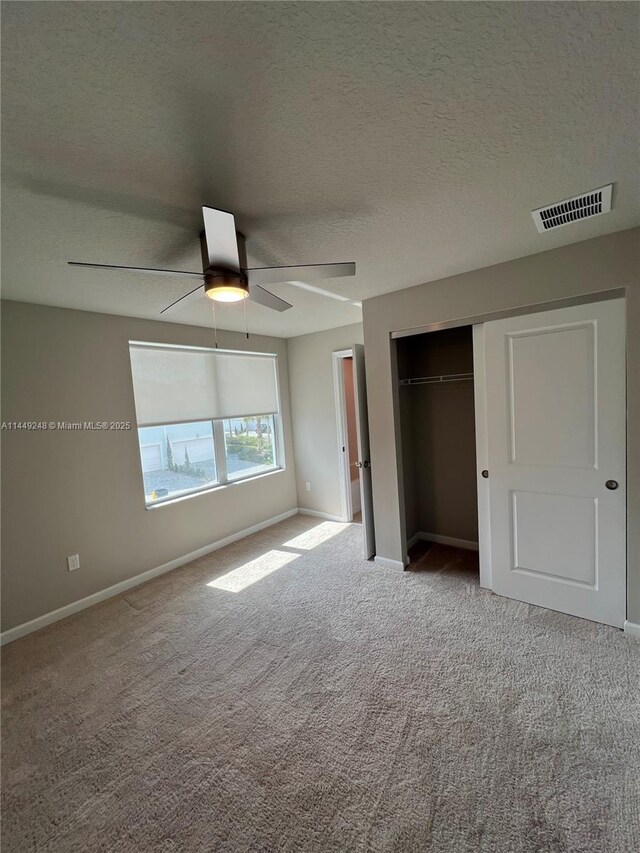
226,287
227,293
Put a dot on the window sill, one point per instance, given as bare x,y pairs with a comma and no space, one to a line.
215,488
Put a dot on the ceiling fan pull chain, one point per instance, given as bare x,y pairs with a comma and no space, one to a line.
215,328
246,322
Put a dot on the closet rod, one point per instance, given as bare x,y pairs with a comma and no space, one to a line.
430,380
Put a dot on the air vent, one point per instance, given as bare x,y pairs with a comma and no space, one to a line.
572,209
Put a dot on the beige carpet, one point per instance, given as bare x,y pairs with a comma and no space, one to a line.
307,701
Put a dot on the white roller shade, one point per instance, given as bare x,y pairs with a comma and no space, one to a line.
247,384
179,384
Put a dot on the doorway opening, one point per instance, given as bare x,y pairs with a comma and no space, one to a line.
352,423
438,437
347,437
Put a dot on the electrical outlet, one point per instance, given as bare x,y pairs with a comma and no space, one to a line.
73,562
307,486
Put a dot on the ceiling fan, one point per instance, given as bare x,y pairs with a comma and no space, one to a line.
225,276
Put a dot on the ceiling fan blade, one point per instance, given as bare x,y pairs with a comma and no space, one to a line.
135,269
320,291
305,272
191,296
270,300
220,248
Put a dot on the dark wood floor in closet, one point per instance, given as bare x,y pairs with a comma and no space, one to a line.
430,557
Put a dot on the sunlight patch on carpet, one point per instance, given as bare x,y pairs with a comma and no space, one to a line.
316,536
247,574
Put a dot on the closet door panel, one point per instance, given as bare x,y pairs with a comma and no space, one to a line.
555,422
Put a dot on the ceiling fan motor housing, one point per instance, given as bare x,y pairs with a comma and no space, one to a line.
215,279
225,284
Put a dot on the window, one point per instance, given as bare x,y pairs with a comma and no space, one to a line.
197,423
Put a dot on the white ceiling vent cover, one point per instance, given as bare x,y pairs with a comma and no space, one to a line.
569,210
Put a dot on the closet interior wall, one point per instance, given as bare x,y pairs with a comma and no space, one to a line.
438,435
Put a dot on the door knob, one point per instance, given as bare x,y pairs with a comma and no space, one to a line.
612,484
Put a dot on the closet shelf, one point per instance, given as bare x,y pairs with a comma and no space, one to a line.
431,380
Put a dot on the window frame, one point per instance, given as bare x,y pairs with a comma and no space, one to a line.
222,481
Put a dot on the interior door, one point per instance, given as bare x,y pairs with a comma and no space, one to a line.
363,463
555,418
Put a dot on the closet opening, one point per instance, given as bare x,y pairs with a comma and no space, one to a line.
438,435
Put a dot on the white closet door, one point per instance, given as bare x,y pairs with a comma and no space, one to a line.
555,418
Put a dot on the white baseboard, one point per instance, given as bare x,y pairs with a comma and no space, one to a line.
415,538
389,564
137,580
632,628
443,540
317,514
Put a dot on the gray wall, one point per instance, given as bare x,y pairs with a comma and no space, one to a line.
591,267
81,492
438,436
315,437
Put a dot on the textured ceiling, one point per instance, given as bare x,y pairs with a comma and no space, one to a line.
413,138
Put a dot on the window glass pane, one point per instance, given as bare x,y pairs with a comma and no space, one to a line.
250,445
176,459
